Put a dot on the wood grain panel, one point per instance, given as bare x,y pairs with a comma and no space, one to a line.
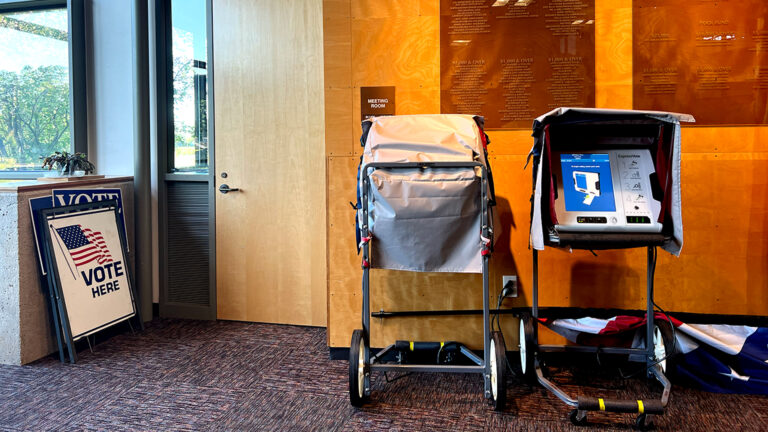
708,139
344,263
337,51
344,274
336,9
510,142
344,315
339,140
429,8
417,101
613,54
271,242
411,63
394,8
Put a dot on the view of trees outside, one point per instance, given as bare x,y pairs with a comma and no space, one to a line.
189,86
34,87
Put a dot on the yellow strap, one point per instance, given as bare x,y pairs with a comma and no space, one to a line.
640,407
441,344
411,345
602,404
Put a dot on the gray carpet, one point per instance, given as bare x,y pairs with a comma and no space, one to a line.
196,375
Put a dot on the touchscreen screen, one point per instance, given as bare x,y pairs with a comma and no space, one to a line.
587,183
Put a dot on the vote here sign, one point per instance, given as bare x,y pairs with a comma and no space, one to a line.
92,270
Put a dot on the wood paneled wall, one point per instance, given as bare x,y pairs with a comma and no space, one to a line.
723,268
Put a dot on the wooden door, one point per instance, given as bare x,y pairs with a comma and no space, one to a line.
269,140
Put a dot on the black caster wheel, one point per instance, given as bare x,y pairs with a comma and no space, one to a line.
576,420
358,370
644,422
527,349
498,360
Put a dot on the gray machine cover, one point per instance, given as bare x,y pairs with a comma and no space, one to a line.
675,245
425,220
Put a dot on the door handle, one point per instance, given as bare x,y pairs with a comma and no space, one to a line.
225,189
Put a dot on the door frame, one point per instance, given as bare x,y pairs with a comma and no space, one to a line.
165,139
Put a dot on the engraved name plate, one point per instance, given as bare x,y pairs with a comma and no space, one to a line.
511,61
702,57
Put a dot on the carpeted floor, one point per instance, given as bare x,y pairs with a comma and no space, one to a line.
195,375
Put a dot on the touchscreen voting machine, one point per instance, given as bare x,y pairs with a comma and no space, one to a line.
605,191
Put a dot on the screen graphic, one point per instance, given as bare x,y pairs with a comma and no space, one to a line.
587,183
581,181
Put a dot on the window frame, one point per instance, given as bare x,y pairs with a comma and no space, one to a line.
165,153
78,102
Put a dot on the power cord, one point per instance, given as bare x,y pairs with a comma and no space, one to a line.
496,321
386,378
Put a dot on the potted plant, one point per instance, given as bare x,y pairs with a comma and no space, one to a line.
68,163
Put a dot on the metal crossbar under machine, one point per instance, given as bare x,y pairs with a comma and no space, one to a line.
361,360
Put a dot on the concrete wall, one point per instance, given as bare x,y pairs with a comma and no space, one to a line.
10,349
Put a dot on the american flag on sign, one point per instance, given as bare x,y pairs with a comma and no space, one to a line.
84,245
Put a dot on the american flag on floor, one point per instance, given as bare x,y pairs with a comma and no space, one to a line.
84,245
713,357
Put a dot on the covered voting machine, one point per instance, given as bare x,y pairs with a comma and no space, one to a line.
606,179
425,217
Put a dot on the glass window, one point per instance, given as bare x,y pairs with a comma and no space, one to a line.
190,86
34,87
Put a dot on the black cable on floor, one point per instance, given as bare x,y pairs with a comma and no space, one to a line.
386,378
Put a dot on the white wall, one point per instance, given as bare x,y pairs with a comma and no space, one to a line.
110,86
109,42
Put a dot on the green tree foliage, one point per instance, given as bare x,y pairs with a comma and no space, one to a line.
183,79
34,113
190,112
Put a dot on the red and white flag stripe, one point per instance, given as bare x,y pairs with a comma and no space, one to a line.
96,250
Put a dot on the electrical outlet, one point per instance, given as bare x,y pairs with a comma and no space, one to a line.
511,283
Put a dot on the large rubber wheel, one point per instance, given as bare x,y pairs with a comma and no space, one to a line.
498,354
357,369
664,347
527,349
